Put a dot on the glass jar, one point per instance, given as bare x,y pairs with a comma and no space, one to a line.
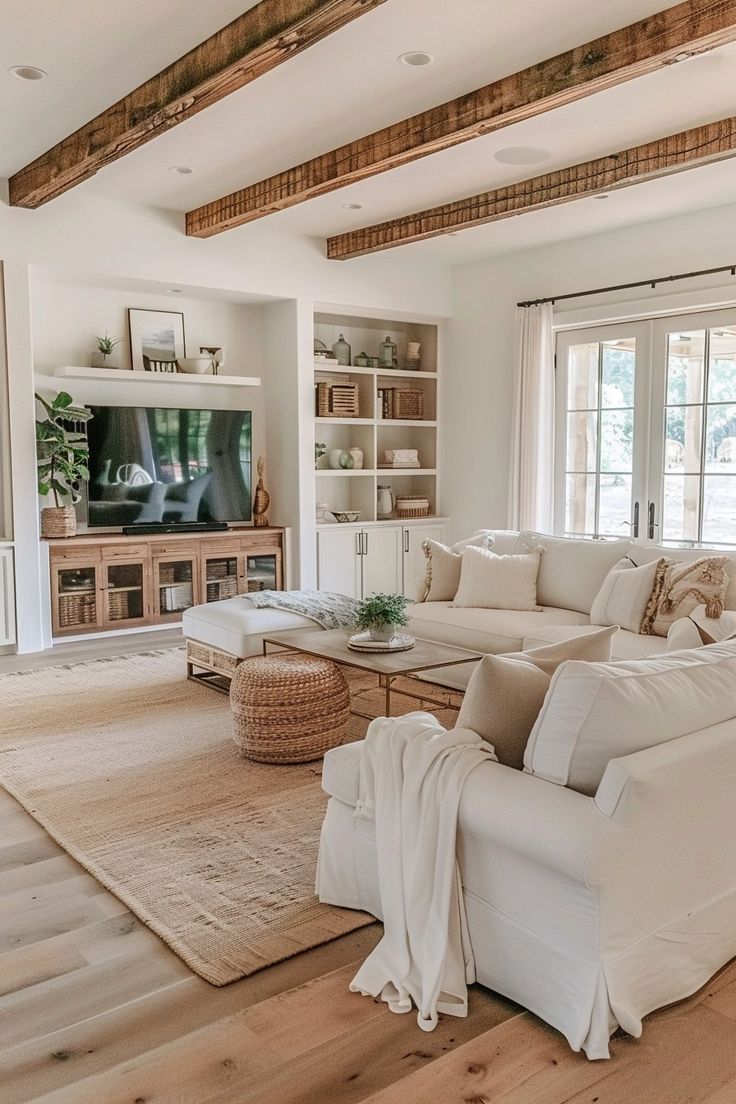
387,353
342,351
361,360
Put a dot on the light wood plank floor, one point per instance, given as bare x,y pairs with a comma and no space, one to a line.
95,1009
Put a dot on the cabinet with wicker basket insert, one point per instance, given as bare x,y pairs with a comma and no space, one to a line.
125,594
175,585
76,596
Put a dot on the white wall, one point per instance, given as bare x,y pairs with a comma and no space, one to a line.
478,396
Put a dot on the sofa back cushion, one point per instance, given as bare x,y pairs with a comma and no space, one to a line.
572,571
645,553
595,712
505,692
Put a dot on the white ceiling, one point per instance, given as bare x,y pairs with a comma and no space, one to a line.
345,87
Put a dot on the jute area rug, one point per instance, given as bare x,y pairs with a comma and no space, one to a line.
132,770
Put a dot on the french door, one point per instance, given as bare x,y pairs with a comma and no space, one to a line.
646,430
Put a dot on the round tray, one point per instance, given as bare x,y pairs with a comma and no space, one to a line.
361,642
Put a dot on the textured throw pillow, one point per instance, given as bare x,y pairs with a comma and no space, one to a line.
505,692
488,581
680,587
623,598
442,576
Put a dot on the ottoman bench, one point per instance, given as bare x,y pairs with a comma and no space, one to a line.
221,634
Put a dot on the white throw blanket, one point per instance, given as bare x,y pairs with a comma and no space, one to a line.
412,774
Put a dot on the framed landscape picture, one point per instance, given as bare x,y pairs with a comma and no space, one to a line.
156,339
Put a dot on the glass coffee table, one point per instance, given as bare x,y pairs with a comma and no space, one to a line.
388,666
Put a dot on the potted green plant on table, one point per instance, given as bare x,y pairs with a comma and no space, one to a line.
62,453
382,614
105,346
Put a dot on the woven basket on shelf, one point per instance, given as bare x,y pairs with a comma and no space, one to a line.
409,403
412,506
288,709
77,609
58,521
336,400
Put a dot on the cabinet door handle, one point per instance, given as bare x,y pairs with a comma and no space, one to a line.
651,524
635,525
406,540
358,544
365,544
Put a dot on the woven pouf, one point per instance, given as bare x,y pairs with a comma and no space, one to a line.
288,708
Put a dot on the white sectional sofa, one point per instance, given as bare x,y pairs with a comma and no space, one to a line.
571,574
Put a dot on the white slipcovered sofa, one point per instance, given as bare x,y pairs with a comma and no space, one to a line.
600,883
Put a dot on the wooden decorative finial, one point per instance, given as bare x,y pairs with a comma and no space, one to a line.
261,498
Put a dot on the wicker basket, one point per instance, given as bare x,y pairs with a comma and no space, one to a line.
77,609
211,659
58,521
288,709
217,589
409,403
336,400
412,506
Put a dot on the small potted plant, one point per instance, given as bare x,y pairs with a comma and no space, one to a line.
62,454
105,346
382,614
319,451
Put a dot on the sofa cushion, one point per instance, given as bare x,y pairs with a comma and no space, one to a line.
645,553
680,587
505,692
624,595
572,571
341,772
443,563
626,645
490,581
595,712
236,626
483,630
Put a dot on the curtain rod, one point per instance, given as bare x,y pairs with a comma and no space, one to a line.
625,287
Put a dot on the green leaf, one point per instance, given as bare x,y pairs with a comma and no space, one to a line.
62,401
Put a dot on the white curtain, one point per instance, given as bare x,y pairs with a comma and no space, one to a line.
531,503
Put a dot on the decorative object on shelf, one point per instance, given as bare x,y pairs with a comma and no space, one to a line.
380,404
322,510
105,346
322,353
346,461
412,506
381,615
342,351
156,336
373,362
357,455
62,457
404,403
387,353
346,515
261,498
384,501
218,357
337,400
400,458
195,366
319,450
334,458
363,642
413,356
361,360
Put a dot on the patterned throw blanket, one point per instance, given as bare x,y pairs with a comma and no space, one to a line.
331,611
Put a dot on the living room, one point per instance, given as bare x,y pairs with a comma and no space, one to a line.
385,349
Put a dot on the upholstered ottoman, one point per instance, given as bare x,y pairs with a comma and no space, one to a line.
288,708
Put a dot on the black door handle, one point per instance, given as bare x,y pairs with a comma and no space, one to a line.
635,526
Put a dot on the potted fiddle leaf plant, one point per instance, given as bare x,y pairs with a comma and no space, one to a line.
62,456
381,615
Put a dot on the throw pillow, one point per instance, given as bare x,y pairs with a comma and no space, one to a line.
506,692
697,629
442,576
623,598
488,581
680,587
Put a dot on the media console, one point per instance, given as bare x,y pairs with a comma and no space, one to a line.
104,582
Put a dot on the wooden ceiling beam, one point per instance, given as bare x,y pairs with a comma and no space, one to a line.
256,42
662,157
688,28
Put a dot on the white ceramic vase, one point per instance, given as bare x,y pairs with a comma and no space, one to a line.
357,455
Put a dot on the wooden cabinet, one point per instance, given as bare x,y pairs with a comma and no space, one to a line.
386,559
106,583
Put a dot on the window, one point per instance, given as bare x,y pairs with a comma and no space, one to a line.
646,430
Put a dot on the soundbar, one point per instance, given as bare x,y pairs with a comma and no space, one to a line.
179,527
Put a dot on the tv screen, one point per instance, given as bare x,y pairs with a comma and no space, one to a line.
150,465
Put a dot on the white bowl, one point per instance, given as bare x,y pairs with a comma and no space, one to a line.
196,366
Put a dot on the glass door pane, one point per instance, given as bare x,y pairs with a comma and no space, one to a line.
175,586
600,464
221,577
76,597
124,595
262,572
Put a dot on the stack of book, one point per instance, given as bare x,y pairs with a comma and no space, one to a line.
400,458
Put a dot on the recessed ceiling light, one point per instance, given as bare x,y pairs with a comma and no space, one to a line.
601,195
416,58
353,206
174,291
180,170
521,155
27,72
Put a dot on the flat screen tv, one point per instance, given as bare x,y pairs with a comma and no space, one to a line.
160,465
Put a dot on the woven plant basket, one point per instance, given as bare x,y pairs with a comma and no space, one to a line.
288,709
58,521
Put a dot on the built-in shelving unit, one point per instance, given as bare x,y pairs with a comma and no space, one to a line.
126,375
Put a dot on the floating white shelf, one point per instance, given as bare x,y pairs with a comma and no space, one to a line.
118,375
322,367
319,472
344,421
